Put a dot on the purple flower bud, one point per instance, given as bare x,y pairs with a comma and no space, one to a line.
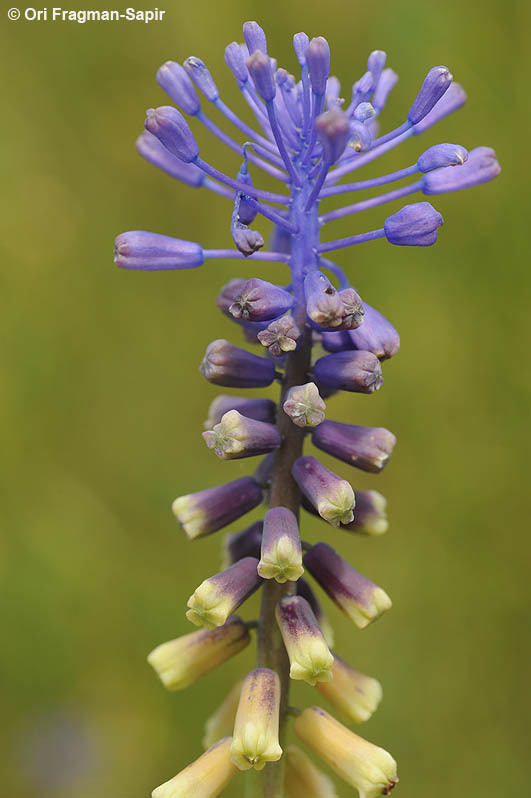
356,595
318,60
259,300
442,155
235,60
436,82
247,209
332,496
414,225
173,79
237,436
208,510
337,341
254,36
150,148
304,405
228,365
363,112
360,372
280,336
259,409
323,303
309,656
360,136
375,65
139,249
371,516
228,294
261,73
300,45
451,101
333,130
384,88
281,553
368,448
480,167
264,473
219,596
247,241
333,88
243,544
172,130
304,590
202,78
362,86
376,335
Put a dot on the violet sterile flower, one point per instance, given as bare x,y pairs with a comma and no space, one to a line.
307,138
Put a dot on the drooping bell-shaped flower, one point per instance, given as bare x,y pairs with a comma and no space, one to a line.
376,335
367,767
255,738
281,553
332,496
357,596
173,131
355,695
181,662
359,372
303,779
480,167
309,656
208,510
368,448
229,365
205,778
237,436
221,722
219,596
304,590
259,300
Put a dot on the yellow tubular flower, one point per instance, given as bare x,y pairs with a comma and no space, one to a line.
178,663
368,768
207,777
350,691
303,779
221,722
255,740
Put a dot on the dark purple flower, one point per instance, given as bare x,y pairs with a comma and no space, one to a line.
360,372
208,510
368,448
228,365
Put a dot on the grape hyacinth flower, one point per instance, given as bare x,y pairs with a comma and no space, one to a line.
307,138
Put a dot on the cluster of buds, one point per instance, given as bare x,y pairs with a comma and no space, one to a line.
308,139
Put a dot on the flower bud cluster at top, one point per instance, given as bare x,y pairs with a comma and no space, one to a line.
308,137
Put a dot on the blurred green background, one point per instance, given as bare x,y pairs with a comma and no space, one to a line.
102,407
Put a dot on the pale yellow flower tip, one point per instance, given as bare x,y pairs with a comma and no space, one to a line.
207,777
350,691
221,722
220,595
368,768
255,739
178,663
303,779
281,554
309,656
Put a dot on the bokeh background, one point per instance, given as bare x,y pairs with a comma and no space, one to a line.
102,407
